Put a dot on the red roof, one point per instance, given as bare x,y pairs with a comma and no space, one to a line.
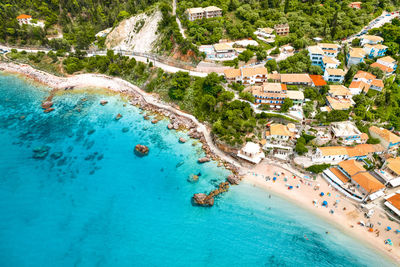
382,67
23,16
318,80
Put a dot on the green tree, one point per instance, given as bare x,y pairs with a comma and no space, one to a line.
179,83
287,104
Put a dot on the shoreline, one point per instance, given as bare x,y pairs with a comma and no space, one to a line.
197,130
344,220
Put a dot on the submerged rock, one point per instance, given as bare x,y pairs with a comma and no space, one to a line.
141,150
203,160
47,104
118,117
91,131
193,178
125,129
103,102
202,199
47,110
154,121
182,140
41,152
170,126
56,155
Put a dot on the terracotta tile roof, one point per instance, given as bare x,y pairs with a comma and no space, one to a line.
318,80
394,165
368,182
195,10
351,167
267,30
24,16
361,150
279,129
372,38
376,46
333,150
247,72
339,90
385,134
328,45
377,83
387,59
292,94
274,87
364,136
395,200
212,8
360,85
295,78
357,52
222,47
336,104
363,74
329,60
274,76
382,67
339,175
232,73
315,50
338,72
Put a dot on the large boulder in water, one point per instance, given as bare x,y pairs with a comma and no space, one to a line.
203,200
141,150
203,159
233,179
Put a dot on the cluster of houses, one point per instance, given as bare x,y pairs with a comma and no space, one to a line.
203,13
226,50
371,47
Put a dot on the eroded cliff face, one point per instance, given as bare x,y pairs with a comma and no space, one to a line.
138,33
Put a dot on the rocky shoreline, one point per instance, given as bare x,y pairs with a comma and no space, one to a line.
179,120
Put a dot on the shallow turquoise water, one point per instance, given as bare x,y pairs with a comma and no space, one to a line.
97,204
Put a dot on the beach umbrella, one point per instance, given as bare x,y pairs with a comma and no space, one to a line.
322,194
388,228
325,203
397,231
290,187
274,179
370,229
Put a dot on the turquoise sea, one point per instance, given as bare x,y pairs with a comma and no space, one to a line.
73,193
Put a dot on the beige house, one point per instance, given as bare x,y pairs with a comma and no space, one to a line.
200,13
296,79
280,132
247,75
282,29
389,140
390,171
339,97
251,152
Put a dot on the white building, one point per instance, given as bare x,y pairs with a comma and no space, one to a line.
355,56
200,13
387,64
393,202
390,171
348,132
24,19
330,50
247,75
370,39
280,132
251,152
334,75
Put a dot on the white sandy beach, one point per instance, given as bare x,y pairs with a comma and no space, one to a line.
303,196
346,214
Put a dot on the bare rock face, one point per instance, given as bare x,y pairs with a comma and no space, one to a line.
182,140
141,150
203,200
103,102
233,179
203,160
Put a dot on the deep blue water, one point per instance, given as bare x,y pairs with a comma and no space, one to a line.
92,202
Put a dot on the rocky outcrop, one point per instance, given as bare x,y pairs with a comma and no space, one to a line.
154,121
182,140
193,178
170,126
103,102
41,152
202,199
118,117
233,179
203,160
141,150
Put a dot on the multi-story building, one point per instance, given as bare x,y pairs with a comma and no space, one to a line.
339,97
280,132
272,94
282,29
355,56
390,172
296,96
370,39
316,54
348,132
355,5
296,79
247,75
330,50
386,64
377,50
388,140
200,13
334,75
336,154
24,19
363,81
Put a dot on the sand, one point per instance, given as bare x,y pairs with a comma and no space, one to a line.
346,220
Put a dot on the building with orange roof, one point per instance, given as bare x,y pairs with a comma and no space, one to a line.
334,75
272,94
279,132
318,80
389,62
355,5
390,171
296,79
388,140
247,75
370,39
387,70
339,98
364,76
377,85
356,87
24,19
375,50
335,154
393,202
355,56
363,81
350,174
